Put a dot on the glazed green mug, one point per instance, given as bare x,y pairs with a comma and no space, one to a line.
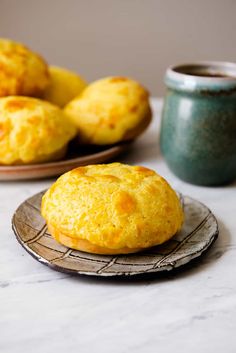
198,129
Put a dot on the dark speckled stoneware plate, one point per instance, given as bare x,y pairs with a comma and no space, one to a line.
74,158
199,231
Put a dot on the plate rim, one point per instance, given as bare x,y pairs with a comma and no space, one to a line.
56,168
25,167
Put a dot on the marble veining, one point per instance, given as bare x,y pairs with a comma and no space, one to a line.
193,310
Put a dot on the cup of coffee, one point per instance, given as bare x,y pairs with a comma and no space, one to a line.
198,130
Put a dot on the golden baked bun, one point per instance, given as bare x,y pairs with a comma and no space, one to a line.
110,110
32,130
111,209
64,86
22,72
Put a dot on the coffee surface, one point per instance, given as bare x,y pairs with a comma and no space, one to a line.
209,74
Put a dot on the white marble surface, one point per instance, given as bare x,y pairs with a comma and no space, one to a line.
194,311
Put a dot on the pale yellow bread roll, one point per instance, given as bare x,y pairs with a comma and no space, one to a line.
64,86
32,131
111,209
110,110
22,72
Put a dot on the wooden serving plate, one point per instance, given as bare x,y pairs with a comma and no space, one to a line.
73,159
199,231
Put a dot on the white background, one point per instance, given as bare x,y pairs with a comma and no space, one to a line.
138,38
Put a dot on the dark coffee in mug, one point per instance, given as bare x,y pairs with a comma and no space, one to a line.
200,71
209,74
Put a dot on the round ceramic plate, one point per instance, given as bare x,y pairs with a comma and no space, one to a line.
73,159
199,231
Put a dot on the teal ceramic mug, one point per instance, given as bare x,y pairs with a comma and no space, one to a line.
198,130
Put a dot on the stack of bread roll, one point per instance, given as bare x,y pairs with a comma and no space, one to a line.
103,209
42,108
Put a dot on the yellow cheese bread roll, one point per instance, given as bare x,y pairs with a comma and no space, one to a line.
32,130
22,72
111,209
64,86
110,110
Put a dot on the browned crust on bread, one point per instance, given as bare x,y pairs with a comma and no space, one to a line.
139,129
85,245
